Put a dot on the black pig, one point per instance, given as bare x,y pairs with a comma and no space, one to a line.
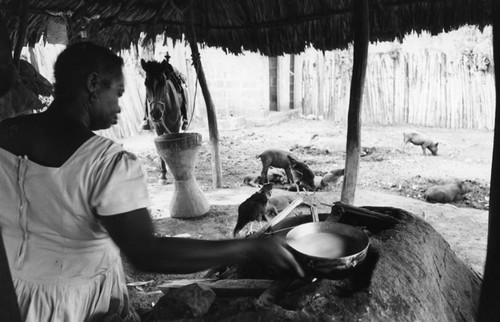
302,173
254,208
447,192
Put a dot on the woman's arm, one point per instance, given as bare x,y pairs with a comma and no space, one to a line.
134,234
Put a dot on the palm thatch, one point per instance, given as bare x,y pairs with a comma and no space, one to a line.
270,27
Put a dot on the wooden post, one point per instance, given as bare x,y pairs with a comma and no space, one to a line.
489,302
361,38
6,66
9,309
21,31
211,115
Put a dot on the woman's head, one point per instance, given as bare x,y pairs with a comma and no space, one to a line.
92,75
79,60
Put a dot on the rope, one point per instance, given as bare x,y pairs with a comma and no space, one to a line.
196,59
194,103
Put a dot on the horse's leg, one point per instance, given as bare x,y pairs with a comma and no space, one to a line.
184,116
145,121
163,175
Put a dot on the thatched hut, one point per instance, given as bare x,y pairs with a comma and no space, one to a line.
271,27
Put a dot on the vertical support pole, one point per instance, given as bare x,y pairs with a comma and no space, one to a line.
361,25
211,114
21,31
9,309
489,301
6,66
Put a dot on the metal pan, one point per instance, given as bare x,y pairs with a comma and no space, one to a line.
327,248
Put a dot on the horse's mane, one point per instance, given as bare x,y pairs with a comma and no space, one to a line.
155,69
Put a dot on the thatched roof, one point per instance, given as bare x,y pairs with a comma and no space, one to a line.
271,27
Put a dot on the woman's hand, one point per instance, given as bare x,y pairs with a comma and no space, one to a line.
273,253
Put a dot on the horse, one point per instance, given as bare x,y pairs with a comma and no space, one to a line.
166,105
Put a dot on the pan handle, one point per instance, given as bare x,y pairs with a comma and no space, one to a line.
314,211
314,214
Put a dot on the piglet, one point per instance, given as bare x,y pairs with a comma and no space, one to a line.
303,175
422,140
251,180
447,192
277,204
274,175
277,175
254,208
329,179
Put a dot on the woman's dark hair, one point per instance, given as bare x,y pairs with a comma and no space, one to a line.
79,60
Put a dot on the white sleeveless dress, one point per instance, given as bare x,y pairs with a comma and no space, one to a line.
64,265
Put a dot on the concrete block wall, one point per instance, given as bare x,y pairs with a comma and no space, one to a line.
239,85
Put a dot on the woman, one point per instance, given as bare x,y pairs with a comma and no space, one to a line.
70,197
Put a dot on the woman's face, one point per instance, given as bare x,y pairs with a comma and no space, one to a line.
105,111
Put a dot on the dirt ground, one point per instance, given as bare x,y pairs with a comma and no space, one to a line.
387,177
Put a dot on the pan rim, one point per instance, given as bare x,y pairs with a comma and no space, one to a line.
351,232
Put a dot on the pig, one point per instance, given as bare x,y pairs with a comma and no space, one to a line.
274,175
277,204
329,179
254,208
277,176
303,175
422,140
447,192
251,180
318,182
278,159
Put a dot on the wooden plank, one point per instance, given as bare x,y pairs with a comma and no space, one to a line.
223,288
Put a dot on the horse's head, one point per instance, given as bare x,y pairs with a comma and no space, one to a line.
165,96
156,83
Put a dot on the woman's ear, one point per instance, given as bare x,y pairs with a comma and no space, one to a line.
93,82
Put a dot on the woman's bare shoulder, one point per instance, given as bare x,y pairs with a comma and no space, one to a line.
15,129
42,139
